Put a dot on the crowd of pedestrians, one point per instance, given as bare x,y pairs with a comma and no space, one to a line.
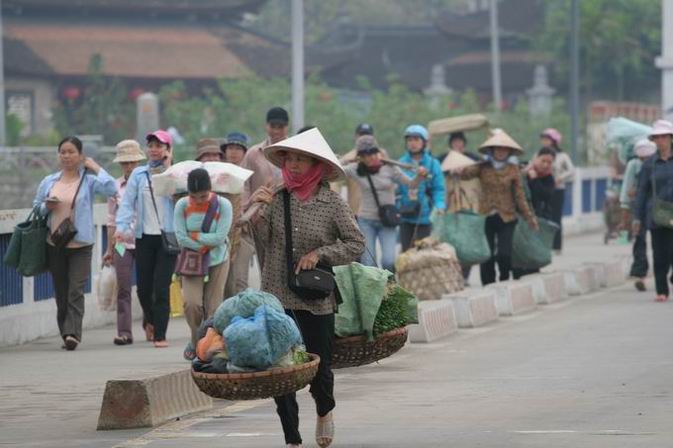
291,198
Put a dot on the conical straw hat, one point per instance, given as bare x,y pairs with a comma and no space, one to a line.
311,143
503,140
455,160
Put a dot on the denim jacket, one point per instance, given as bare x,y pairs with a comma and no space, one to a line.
101,183
431,191
662,171
133,205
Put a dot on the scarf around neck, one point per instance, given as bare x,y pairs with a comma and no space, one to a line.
500,164
304,185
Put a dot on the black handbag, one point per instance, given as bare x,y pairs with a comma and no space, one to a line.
169,241
388,214
312,284
66,231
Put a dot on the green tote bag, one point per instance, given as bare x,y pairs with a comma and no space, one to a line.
27,249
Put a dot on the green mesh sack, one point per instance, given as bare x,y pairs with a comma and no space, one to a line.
464,230
362,289
531,249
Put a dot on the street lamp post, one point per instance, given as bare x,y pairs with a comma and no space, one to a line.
2,87
297,65
574,78
665,61
495,57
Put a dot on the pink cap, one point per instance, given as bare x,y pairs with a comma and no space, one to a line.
552,134
162,136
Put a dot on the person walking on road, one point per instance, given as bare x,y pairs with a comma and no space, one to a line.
153,217
202,221
68,197
417,202
377,182
564,172
655,184
242,251
540,183
644,149
122,256
502,195
323,231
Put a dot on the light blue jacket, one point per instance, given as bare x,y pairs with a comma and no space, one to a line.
101,183
133,204
431,191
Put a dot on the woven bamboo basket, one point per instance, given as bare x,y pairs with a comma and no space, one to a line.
255,385
356,351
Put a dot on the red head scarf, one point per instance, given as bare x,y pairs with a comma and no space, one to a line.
304,185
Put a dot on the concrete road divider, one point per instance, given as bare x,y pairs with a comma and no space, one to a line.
436,319
614,273
599,273
513,297
150,401
581,280
548,288
474,308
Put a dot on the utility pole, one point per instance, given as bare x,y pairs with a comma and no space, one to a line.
665,61
495,57
3,138
297,65
574,77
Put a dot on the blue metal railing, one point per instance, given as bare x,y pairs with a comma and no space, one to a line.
11,283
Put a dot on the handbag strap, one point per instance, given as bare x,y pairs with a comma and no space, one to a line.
371,184
74,198
154,202
213,207
288,232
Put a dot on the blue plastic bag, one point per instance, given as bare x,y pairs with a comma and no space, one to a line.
243,304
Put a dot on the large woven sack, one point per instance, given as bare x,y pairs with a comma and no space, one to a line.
429,270
531,249
465,232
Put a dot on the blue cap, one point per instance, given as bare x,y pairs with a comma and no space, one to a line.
417,130
235,138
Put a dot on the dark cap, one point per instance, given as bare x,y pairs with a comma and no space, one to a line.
235,138
364,129
277,115
366,144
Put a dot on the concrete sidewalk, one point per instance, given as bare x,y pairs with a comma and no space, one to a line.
46,391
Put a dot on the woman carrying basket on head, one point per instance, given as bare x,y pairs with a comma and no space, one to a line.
323,232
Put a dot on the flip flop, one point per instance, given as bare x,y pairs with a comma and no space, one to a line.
661,298
189,353
149,332
122,340
324,430
161,344
71,343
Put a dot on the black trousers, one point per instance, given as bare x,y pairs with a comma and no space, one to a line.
154,270
662,255
557,216
408,237
640,266
318,334
499,235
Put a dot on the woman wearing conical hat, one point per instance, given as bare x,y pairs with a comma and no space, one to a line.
324,230
502,196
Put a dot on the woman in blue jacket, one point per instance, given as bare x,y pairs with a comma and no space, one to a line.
152,215
69,194
416,203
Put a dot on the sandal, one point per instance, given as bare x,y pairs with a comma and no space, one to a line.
324,430
640,285
190,353
71,343
161,344
122,340
661,298
149,332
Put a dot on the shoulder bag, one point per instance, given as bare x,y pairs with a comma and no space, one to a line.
662,211
193,263
388,214
312,284
66,231
168,239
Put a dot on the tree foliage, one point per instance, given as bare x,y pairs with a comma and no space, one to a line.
619,40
